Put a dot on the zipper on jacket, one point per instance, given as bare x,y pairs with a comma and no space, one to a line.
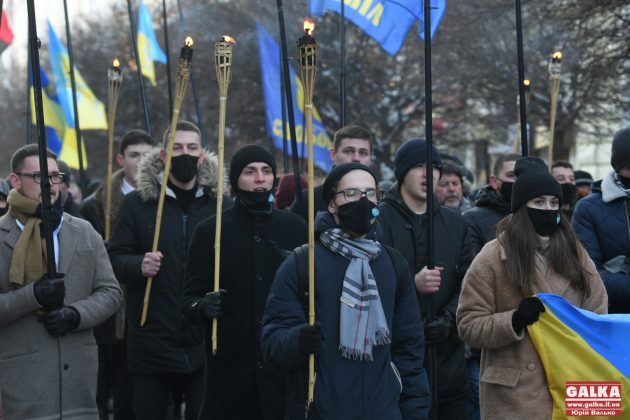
184,247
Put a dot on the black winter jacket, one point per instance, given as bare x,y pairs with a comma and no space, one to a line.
253,245
406,231
166,343
483,219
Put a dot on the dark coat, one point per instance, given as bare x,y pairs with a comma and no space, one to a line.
238,383
166,343
319,203
392,386
482,219
406,231
600,222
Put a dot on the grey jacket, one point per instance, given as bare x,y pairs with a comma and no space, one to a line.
44,376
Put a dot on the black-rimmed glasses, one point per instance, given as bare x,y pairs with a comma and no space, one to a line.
355,194
55,178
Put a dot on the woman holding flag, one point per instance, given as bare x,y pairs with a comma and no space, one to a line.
536,251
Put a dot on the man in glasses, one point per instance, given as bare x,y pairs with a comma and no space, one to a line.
48,356
404,221
368,340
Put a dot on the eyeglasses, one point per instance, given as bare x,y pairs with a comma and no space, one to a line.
55,178
355,194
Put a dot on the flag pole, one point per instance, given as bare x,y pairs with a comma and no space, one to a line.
29,115
51,267
143,94
75,107
283,103
168,60
342,59
289,95
521,78
193,85
431,348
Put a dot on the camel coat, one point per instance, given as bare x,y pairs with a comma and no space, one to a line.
512,379
44,376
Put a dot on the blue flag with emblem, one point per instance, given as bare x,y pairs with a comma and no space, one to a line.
270,68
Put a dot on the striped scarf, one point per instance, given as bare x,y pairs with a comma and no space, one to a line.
362,323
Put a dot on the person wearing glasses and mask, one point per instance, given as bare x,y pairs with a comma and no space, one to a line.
48,356
368,339
404,221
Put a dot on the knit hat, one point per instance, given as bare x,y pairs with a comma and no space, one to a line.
583,179
285,193
620,154
246,155
336,173
532,180
413,153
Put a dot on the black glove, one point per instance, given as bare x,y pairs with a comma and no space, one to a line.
437,331
50,291
527,313
61,321
309,339
211,305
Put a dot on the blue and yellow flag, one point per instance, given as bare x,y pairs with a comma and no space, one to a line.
91,110
60,138
386,21
270,64
586,359
148,48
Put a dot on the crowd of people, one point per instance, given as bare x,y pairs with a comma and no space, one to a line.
76,342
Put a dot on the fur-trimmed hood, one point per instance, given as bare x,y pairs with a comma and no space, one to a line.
151,169
611,189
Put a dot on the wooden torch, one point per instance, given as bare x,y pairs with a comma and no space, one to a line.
114,80
555,65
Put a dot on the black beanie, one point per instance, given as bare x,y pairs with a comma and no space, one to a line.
620,154
413,153
336,173
583,178
246,155
532,180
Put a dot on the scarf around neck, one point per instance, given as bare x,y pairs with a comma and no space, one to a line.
362,323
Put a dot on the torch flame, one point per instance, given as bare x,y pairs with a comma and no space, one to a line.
309,26
116,64
526,82
189,41
227,38
557,55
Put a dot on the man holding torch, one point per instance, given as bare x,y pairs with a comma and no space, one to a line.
255,239
165,351
48,357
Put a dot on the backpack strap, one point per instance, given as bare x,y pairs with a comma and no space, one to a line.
301,258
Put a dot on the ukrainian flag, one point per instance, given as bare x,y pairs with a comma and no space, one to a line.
91,110
60,138
148,48
576,345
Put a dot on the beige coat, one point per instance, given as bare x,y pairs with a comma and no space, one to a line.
43,376
512,378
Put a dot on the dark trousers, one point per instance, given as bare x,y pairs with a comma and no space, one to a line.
113,379
151,394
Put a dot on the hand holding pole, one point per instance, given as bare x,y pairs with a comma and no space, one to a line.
114,80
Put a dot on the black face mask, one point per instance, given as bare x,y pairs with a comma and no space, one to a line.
358,216
506,190
3,211
256,200
545,221
625,181
568,193
184,167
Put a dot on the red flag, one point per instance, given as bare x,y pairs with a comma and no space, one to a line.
6,35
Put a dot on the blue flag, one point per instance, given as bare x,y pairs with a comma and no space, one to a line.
386,21
270,67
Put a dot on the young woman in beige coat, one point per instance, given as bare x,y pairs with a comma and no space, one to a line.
536,251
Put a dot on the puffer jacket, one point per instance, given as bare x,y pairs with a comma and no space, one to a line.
601,222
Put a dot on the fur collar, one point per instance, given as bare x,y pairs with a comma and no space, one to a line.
151,169
611,190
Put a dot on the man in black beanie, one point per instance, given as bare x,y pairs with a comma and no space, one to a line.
601,222
255,238
404,222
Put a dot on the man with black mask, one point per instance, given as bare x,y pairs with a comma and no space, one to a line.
601,220
562,171
166,352
493,202
368,340
404,221
255,239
